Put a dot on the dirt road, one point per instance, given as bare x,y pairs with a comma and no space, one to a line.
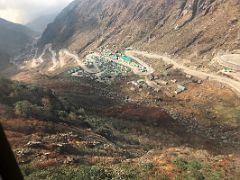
54,59
150,70
94,70
235,85
37,61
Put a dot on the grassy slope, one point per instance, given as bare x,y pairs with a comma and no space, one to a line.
113,148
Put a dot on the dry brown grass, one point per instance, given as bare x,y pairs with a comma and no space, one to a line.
45,164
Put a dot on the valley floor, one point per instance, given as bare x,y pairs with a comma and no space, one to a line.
130,132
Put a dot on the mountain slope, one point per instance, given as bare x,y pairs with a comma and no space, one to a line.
184,27
4,58
54,138
14,37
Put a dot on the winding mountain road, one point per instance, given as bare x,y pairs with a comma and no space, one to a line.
150,70
37,61
233,84
80,63
54,59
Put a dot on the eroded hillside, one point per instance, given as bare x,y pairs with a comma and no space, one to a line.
195,28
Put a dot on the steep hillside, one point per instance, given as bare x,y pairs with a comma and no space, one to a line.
4,59
6,68
187,27
55,139
14,37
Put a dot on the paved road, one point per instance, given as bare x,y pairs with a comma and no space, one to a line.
235,85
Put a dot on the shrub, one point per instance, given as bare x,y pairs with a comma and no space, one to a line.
105,132
23,109
9,112
72,116
100,173
163,177
68,172
148,166
47,104
198,175
45,114
62,115
30,101
68,149
215,176
181,164
195,165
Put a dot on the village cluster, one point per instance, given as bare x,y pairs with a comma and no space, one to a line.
106,66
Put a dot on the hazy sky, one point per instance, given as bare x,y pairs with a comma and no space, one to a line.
23,11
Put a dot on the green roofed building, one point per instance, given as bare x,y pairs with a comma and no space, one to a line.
227,69
180,89
127,59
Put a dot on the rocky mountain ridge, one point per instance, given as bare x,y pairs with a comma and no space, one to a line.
190,28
